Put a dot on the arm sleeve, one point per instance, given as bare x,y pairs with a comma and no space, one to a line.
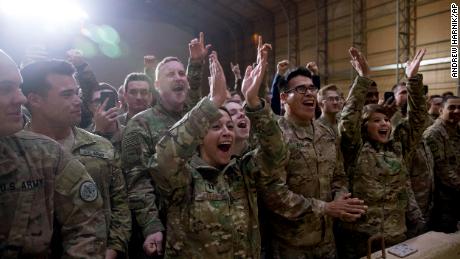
270,160
417,114
141,193
82,223
175,149
276,102
120,225
195,76
350,120
447,174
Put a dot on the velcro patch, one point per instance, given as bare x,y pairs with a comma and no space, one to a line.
88,191
94,153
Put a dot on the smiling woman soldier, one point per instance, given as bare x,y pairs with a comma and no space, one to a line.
375,162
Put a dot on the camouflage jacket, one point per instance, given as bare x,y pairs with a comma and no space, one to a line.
444,143
43,190
420,166
314,170
97,155
212,213
377,172
334,127
140,136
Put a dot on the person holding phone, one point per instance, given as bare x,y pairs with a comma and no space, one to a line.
105,109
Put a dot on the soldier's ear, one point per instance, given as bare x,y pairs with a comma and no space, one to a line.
34,100
283,97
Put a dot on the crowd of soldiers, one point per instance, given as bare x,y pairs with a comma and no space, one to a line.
159,168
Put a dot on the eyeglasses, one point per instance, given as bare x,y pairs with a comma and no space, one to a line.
303,89
333,99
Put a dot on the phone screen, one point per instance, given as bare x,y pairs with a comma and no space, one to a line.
112,102
388,95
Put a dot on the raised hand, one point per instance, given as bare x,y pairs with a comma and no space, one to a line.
106,121
413,66
75,57
217,82
313,68
262,49
282,67
236,70
150,61
197,49
359,62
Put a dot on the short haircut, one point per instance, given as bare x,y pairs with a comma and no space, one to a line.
137,77
395,87
163,62
448,93
434,96
34,75
449,97
299,71
322,92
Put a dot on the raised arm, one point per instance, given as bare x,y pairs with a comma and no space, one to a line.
198,52
176,148
417,111
350,119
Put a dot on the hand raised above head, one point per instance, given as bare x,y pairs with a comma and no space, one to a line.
218,84
413,66
197,49
359,62
236,70
313,68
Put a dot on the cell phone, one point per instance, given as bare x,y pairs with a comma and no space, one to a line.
112,102
388,95
425,89
401,250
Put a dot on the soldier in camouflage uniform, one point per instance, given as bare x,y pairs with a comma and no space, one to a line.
55,106
43,190
329,102
146,128
314,170
443,138
211,198
375,163
420,166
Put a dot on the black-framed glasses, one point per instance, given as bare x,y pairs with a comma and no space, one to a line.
333,99
303,89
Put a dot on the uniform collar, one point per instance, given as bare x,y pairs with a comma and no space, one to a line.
82,138
301,131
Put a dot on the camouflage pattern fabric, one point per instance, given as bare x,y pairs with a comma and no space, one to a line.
377,172
140,136
420,165
98,156
314,170
212,213
444,143
45,193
